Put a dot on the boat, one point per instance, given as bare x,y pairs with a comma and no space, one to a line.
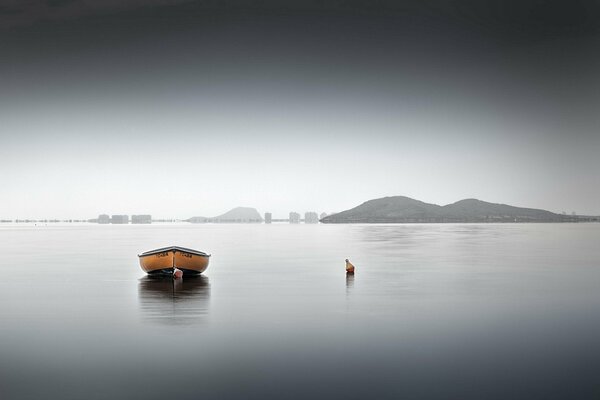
167,260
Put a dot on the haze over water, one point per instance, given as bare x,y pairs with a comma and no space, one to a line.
433,312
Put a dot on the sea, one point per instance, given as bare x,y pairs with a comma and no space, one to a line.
433,311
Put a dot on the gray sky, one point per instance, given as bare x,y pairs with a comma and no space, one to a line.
196,108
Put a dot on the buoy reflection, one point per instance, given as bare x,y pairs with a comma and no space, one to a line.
349,282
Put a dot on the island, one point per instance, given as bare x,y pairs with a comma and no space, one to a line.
401,209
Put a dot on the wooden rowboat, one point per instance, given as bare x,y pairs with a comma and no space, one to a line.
166,259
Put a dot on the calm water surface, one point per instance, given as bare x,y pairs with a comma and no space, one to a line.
434,312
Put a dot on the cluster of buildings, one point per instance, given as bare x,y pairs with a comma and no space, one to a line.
123,219
234,216
310,217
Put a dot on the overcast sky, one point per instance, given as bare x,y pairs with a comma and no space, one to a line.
184,108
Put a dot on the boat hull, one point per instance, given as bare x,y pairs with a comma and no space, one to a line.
166,259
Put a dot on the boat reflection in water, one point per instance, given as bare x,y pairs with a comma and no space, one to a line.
174,301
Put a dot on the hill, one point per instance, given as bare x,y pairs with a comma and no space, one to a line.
399,209
238,214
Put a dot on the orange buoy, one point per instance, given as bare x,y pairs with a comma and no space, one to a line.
349,267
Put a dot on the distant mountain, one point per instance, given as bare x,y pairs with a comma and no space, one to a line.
238,214
398,209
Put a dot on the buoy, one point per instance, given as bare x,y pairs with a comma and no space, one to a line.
349,267
177,273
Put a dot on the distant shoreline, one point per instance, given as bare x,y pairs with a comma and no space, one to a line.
579,220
